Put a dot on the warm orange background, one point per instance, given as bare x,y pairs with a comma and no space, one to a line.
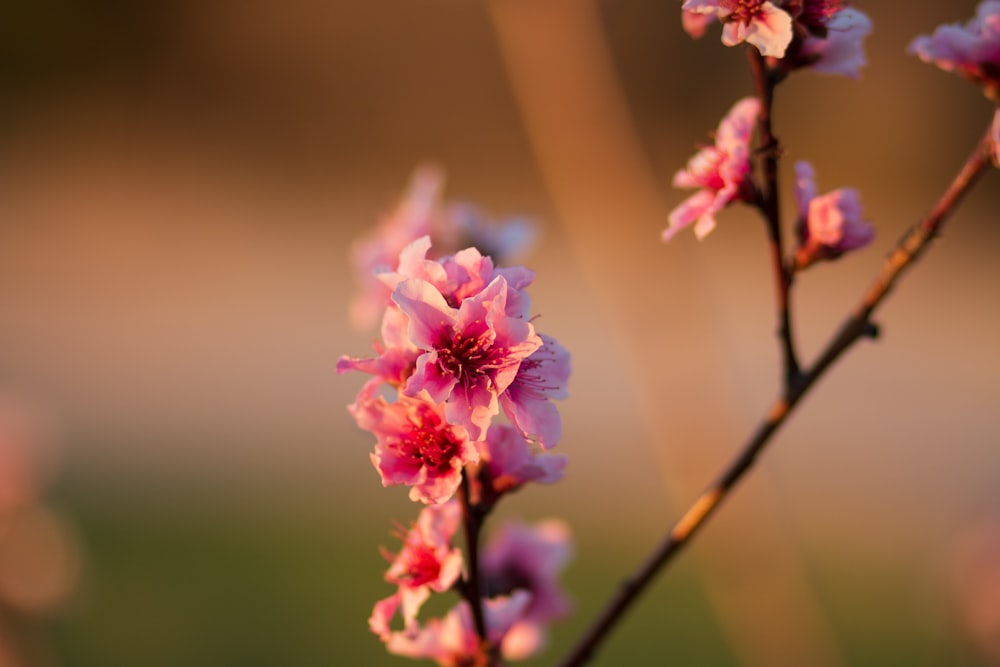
179,183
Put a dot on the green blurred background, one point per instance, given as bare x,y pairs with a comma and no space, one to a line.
179,185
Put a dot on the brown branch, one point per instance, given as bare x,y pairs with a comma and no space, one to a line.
768,203
472,523
857,325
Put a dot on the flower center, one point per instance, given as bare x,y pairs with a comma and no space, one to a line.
431,443
743,11
422,566
466,358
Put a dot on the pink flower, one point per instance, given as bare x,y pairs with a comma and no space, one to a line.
465,226
528,400
451,641
460,276
397,355
830,224
824,35
379,250
839,51
756,22
471,353
427,561
421,213
507,461
813,16
720,171
457,277
695,23
972,50
529,558
415,445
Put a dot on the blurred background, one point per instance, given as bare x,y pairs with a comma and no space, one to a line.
180,183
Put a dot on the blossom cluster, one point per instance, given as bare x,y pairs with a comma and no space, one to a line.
460,399
461,404
823,35
971,50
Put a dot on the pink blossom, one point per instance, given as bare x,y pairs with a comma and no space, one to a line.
829,224
507,461
824,35
465,226
396,356
460,276
756,22
840,50
720,171
471,353
971,50
415,445
457,277
451,641
422,213
529,558
427,562
528,400
696,23
379,250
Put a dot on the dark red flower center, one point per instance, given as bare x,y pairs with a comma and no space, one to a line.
431,442
743,11
422,566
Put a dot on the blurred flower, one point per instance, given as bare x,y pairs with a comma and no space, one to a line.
452,641
975,579
830,224
529,558
422,213
823,35
40,558
508,462
427,561
720,171
695,23
971,50
759,23
839,50
465,225
379,250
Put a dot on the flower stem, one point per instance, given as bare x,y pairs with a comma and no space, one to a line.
856,326
769,205
472,523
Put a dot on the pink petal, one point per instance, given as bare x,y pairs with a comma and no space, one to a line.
429,314
770,31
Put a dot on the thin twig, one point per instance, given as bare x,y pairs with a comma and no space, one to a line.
857,325
769,205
